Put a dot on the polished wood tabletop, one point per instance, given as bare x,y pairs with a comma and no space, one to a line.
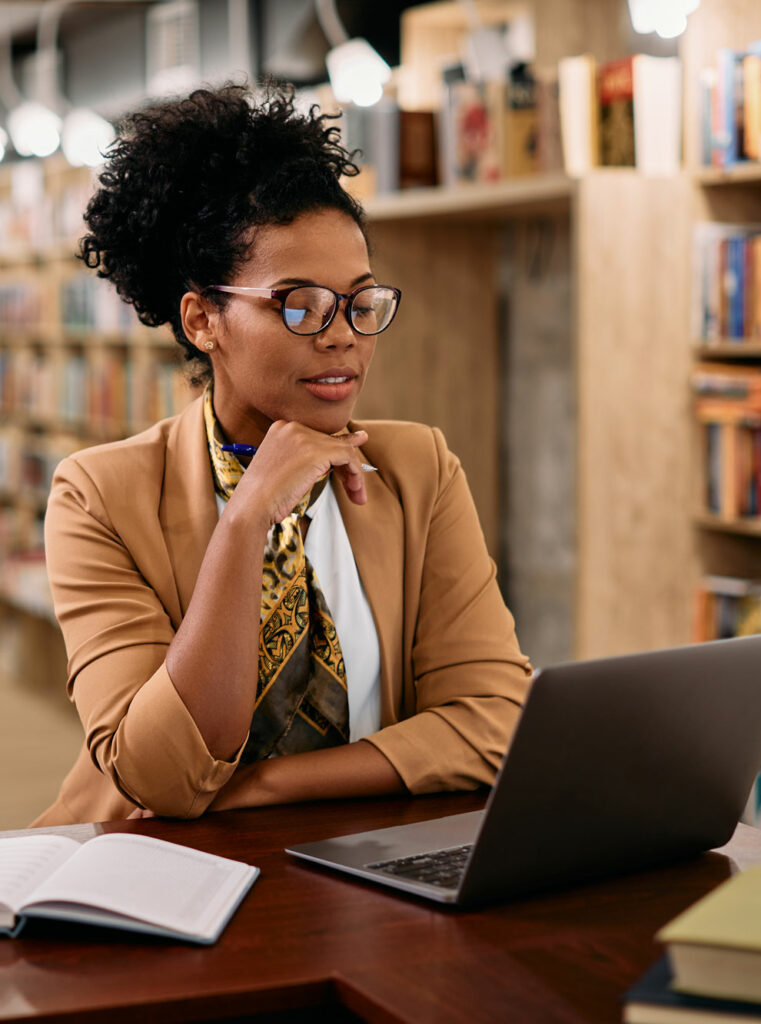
311,945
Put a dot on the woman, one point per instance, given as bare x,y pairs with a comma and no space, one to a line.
387,661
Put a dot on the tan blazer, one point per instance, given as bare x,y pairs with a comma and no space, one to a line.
127,527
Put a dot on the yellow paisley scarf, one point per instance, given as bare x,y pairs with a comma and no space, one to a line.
301,696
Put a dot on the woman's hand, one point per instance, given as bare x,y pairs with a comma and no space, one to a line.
141,812
290,460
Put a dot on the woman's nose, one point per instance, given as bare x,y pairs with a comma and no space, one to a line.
338,333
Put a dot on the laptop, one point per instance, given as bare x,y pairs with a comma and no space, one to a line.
617,764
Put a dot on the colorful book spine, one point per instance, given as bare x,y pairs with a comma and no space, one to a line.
729,97
727,283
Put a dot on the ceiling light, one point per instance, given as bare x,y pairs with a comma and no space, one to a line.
34,129
666,17
357,73
671,24
85,137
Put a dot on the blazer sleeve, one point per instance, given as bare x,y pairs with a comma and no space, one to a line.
469,675
117,631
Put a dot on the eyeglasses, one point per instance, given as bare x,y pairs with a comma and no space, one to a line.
310,309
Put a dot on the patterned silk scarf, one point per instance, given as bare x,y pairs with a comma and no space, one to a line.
301,695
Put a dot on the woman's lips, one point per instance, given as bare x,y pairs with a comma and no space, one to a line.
331,387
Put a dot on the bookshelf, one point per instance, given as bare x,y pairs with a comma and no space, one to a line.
725,546
76,367
578,499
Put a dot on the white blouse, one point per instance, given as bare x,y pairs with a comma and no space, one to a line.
328,549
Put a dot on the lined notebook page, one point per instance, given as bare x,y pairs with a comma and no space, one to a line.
25,863
147,879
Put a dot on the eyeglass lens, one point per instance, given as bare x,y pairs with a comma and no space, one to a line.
307,310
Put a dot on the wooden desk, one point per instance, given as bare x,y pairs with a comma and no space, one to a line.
305,938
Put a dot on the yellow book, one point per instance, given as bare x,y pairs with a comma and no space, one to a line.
714,947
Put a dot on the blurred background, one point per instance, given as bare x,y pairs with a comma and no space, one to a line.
568,194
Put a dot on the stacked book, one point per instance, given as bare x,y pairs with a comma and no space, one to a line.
712,971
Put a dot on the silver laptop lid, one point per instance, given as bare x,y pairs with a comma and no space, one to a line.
620,763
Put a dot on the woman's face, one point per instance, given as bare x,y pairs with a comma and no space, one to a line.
263,372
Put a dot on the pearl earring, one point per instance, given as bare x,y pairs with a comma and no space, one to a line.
209,346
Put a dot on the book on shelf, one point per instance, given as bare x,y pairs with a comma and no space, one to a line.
28,460
652,1000
120,880
640,101
35,216
751,85
549,144
471,131
25,585
579,113
394,149
726,606
720,380
714,947
726,292
730,107
728,408
99,391
516,116
732,463
372,134
417,149
89,303
489,130
20,303
727,126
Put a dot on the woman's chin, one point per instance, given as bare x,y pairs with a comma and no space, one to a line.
330,421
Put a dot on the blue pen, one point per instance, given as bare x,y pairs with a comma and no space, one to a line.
248,449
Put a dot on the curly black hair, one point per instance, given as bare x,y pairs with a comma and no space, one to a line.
186,179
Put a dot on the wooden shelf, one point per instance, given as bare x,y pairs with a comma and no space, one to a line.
743,527
52,337
15,255
746,348
88,431
27,498
738,174
23,603
510,198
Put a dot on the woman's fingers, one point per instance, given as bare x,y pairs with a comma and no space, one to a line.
353,480
351,473
292,458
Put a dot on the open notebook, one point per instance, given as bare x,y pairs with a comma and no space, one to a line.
122,881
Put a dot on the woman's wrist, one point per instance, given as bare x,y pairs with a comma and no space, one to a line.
351,770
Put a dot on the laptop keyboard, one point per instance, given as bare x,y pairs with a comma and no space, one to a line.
443,868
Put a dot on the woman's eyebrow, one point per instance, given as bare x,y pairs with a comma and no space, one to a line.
368,276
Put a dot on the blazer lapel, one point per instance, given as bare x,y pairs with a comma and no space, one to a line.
376,535
188,516
188,512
